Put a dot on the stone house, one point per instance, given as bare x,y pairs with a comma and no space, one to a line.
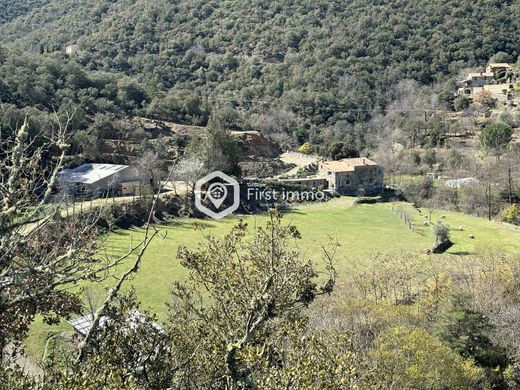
478,79
497,79
353,176
498,69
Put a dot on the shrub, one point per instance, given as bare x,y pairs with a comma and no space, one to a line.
512,214
461,103
441,231
405,358
496,136
430,157
468,332
306,148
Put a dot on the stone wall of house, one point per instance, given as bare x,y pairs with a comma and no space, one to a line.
365,180
358,179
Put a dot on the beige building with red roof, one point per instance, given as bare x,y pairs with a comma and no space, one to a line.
353,176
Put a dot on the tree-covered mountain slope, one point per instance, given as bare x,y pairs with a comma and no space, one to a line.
10,10
324,60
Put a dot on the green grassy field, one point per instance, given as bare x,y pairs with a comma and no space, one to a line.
361,230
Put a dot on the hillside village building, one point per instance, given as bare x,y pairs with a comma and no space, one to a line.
350,176
498,80
98,179
353,176
478,79
498,69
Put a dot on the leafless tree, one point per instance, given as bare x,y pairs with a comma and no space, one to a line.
431,204
508,173
149,168
41,251
407,118
188,170
390,156
484,98
278,125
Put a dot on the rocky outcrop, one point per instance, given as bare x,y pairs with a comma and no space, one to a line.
257,146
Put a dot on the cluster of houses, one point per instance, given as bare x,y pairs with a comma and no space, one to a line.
352,176
498,79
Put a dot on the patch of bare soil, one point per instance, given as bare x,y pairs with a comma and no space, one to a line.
24,361
299,160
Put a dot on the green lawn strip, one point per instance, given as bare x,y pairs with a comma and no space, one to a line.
486,233
361,231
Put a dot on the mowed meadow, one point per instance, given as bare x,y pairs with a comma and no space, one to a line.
361,231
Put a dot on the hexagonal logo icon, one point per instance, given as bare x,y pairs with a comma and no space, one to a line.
218,187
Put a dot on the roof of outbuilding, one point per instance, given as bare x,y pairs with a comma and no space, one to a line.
499,65
480,74
90,173
458,183
83,324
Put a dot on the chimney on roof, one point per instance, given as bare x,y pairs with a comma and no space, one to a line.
364,162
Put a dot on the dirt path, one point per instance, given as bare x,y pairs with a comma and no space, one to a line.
80,207
88,205
299,159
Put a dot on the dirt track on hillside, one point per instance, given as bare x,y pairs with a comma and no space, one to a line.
298,159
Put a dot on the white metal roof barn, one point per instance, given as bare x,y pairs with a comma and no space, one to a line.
96,178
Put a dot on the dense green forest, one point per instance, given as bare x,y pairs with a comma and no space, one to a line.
306,65
10,10
317,52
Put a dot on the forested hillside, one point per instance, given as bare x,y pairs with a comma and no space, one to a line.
10,10
322,61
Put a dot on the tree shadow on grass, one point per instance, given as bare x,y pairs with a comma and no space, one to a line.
291,210
199,225
187,223
120,232
460,253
